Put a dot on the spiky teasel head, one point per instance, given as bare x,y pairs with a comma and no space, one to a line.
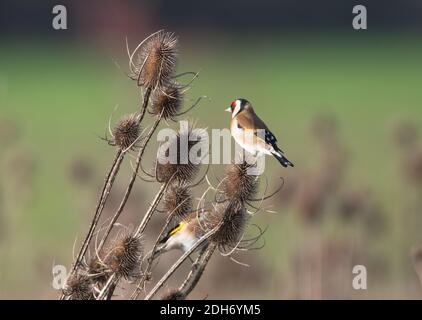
233,218
238,184
173,294
79,286
126,132
173,159
167,100
178,199
124,256
98,270
156,60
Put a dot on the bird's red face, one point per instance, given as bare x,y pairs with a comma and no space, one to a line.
234,107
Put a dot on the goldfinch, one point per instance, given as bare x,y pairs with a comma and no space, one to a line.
183,236
244,127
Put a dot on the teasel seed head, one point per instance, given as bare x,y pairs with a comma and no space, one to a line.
173,294
126,132
182,168
79,286
157,60
125,255
178,199
233,218
238,184
98,270
167,100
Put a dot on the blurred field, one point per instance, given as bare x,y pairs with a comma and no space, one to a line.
56,98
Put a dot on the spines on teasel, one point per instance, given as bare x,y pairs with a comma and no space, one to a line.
124,256
79,286
239,184
175,161
156,60
126,132
178,199
231,219
167,101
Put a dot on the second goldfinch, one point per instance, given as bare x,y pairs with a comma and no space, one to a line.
244,127
183,236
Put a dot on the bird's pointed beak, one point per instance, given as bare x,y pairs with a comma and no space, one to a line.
228,109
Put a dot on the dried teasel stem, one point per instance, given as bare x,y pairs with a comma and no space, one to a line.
197,271
152,208
105,291
150,211
107,188
131,183
100,206
178,263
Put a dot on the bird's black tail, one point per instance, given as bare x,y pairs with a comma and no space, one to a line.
282,159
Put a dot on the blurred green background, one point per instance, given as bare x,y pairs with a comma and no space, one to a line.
345,104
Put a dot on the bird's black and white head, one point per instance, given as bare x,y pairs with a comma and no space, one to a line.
238,105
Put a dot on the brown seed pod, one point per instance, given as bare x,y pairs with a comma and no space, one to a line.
177,165
79,286
157,60
178,199
98,270
125,255
234,218
173,294
167,101
126,132
238,184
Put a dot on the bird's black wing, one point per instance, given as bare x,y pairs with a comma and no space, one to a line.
269,139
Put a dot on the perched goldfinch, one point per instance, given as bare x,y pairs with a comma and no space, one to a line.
244,129
183,236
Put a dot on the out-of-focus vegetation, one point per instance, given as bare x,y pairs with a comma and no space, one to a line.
347,112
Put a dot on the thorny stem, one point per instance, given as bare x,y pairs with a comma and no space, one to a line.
105,290
152,208
178,263
197,270
108,184
131,183
100,206
144,105
128,191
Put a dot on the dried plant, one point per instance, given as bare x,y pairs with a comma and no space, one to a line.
216,224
